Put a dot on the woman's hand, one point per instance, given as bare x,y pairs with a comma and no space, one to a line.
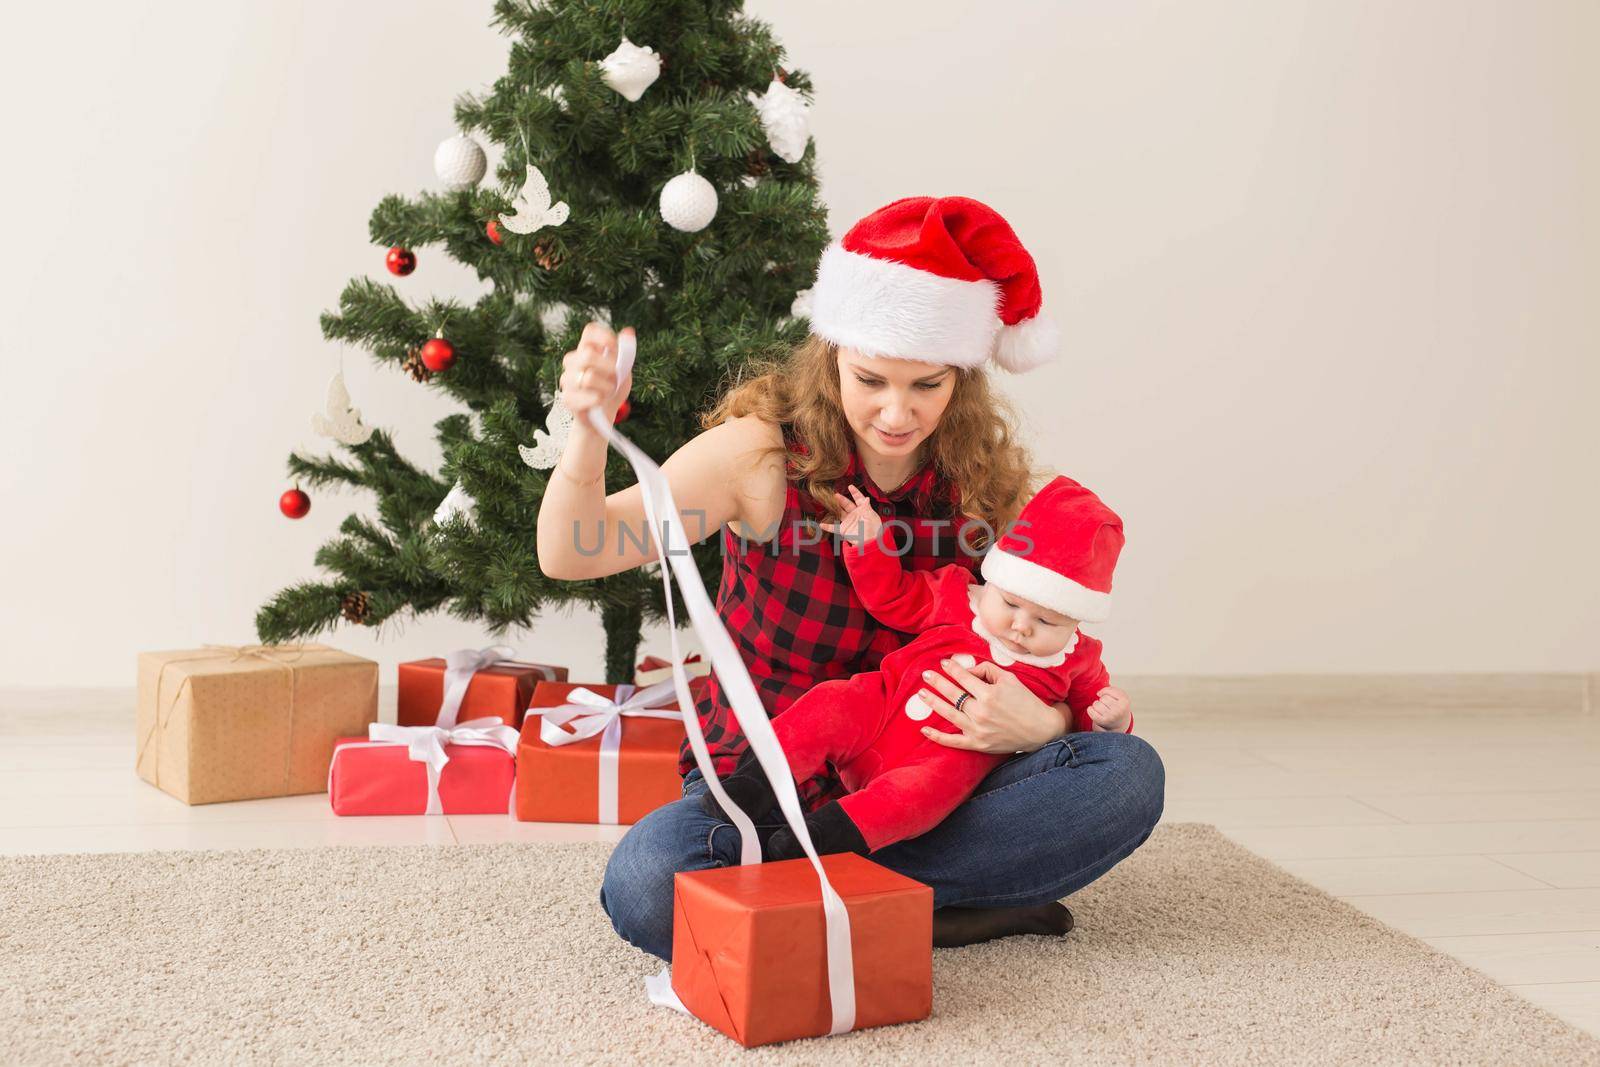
859,522
1002,717
589,375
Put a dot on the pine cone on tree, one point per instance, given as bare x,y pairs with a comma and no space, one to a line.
547,254
757,163
414,366
356,607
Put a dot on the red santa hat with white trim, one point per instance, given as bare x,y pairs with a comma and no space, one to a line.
937,279
1060,552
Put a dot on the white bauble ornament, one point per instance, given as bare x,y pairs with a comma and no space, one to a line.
549,443
458,503
532,206
801,308
630,69
341,421
786,117
689,202
459,162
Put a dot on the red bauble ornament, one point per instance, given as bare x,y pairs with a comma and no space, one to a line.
294,503
438,354
401,261
623,411
493,230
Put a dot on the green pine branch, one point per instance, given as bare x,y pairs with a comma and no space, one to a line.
704,304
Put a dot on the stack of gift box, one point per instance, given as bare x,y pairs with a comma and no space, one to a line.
480,732
242,723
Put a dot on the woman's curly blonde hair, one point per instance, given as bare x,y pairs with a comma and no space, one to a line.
974,447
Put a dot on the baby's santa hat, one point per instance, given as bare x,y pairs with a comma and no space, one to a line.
937,279
1060,552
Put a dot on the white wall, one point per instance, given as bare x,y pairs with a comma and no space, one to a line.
1327,271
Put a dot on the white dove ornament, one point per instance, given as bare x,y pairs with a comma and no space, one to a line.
801,308
342,422
631,69
532,206
549,443
785,116
457,503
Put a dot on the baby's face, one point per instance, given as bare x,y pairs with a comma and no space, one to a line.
1023,626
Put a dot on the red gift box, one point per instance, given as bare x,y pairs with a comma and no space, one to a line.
500,690
381,777
568,782
749,947
653,669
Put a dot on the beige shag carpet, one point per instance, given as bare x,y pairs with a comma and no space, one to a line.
1192,951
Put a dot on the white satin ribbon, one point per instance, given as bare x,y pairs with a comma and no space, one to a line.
658,987
741,692
459,667
425,744
588,713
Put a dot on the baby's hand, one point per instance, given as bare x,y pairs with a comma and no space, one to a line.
859,522
1111,710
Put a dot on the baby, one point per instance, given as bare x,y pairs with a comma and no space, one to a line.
870,727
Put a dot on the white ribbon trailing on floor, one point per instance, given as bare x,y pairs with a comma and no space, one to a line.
666,527
588,713
425,744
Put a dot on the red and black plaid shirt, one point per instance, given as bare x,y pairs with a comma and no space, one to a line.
793,614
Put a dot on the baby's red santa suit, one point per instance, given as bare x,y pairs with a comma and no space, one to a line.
1060,555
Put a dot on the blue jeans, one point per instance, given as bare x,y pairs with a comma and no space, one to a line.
1040,826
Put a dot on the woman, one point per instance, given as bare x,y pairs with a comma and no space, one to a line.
890,393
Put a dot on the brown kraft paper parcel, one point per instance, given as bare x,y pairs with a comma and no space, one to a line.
225,723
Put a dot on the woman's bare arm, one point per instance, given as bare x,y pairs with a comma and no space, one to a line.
717,477
584,533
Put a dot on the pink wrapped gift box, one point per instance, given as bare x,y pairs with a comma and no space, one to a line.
426,775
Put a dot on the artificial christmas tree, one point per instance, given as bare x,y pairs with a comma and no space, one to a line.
590,140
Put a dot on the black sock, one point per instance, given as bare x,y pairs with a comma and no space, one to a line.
970,926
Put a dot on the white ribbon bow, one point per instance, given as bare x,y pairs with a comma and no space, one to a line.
589,713
425,744
459,667
747,708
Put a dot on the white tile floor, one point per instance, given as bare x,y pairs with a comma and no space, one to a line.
1476,829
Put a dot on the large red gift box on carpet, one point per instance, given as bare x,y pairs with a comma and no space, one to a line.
501,690
566,783
749,947
380,778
